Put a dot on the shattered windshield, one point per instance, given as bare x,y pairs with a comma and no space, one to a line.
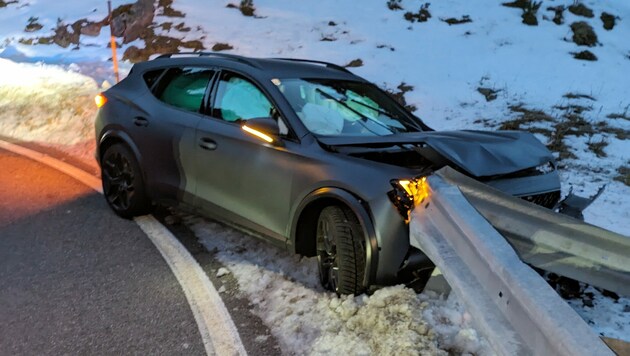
345,108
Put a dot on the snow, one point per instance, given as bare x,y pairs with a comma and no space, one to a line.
304,318
45,103
222,272
611,317
445,65
49,105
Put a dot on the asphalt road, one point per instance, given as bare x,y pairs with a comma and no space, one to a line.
76,279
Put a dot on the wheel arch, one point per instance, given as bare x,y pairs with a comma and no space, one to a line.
304,225
112,137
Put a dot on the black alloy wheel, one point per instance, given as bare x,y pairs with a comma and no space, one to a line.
123,187
340,251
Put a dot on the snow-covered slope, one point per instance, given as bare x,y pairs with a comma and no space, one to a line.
492,72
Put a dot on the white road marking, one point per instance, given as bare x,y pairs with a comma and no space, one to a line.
215,324
68,169
217,329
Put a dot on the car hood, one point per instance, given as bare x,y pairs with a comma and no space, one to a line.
480,153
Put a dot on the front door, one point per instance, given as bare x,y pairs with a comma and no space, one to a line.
240,177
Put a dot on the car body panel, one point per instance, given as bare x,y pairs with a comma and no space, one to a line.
167,145
480,153
522,186
245,176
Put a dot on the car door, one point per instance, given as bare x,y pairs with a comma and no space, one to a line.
165,132
242,178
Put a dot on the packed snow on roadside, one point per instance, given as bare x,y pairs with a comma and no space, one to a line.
48,104
286,295
528,67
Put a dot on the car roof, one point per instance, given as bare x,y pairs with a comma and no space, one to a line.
269,67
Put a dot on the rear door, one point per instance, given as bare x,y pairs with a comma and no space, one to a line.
240,177
165,132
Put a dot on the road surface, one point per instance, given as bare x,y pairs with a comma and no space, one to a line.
76,279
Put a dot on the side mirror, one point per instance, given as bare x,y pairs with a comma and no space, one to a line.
264,128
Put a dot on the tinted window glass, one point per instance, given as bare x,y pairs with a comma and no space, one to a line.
239,99
151,77
185,87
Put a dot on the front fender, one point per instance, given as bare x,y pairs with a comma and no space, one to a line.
120,136
359,209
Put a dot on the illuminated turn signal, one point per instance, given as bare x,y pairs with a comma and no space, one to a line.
408,193
257,133
405,184
100,100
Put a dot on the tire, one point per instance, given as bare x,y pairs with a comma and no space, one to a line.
340,251
123,186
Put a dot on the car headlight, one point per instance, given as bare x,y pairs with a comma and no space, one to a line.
408,193
545,168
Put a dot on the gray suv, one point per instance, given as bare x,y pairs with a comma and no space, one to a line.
303,154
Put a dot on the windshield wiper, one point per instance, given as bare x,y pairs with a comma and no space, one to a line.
363,117
381,111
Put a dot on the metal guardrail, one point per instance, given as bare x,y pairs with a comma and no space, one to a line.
517,311
551,241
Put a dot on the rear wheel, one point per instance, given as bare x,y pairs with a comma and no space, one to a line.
123,186
340,250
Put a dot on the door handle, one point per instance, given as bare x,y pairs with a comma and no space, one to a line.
207,144
140,121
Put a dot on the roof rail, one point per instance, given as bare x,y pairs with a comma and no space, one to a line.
327,64
235,57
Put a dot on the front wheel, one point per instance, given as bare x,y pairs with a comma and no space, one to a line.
123,186
340,250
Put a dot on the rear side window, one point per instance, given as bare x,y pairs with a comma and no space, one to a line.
184,87
151,77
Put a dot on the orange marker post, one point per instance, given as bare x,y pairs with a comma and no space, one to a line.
113,41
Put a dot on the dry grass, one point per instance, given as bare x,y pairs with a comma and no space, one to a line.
624,174
569,123
578,96
399,95
597,147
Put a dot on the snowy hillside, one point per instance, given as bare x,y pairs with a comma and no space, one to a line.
462,65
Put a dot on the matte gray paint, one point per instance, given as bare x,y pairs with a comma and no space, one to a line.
479,153
262,188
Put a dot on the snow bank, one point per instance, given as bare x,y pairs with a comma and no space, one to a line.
286,294
46,104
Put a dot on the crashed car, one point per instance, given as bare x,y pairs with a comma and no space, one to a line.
303,154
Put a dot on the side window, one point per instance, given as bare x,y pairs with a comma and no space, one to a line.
184,87
239,99
151,77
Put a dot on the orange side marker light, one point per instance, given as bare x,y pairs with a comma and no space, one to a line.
100,100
